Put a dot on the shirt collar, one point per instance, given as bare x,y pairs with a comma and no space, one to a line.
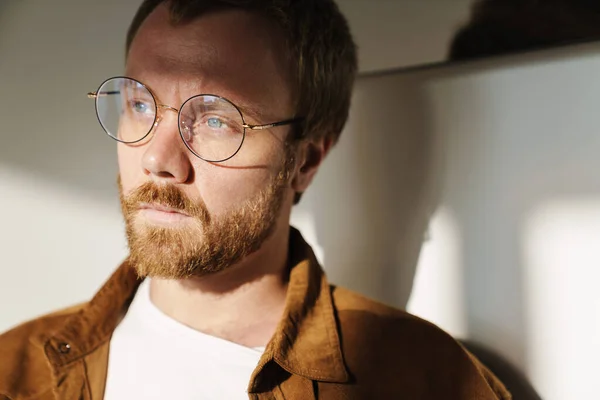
306,342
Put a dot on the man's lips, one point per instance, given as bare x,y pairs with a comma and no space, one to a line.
161,208
163,215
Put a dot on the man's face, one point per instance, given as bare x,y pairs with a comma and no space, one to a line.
185,216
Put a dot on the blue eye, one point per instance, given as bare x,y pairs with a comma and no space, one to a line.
140,107
215,123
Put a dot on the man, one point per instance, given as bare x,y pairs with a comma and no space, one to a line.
225,113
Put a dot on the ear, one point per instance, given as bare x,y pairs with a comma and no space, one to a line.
310,156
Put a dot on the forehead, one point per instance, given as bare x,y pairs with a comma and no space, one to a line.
233,53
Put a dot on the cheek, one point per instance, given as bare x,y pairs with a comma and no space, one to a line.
224,189
226,186
266,147
130,169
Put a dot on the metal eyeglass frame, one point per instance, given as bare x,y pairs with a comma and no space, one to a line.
96,95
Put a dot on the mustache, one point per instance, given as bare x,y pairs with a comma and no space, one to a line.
167,195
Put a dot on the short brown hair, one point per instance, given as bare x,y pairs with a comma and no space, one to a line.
322,52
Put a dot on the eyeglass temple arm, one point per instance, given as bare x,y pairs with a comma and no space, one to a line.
273,125
93,95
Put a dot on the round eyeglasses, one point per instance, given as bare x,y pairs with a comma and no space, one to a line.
212,127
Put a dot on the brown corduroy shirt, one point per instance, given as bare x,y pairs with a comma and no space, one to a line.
330,344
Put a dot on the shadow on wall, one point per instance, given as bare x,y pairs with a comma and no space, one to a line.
507,26
371,201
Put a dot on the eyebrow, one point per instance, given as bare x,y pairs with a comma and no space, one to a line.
252,110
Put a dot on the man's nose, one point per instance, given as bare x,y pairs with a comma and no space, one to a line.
167,158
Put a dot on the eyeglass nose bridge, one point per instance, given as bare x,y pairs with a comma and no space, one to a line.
185,135
164,107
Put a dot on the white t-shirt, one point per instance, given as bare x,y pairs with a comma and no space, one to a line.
152,356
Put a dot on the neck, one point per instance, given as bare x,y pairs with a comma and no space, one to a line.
242,304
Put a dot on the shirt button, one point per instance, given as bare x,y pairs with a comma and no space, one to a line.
64,348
